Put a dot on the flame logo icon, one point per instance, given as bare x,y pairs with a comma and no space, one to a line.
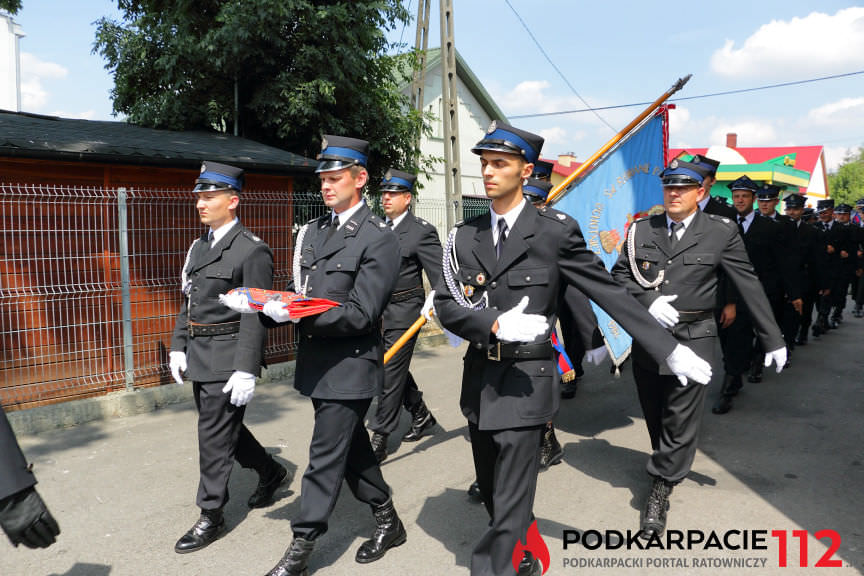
535,544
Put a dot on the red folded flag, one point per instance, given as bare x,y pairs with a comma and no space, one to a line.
298,305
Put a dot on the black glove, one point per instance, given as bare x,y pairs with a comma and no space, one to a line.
26,520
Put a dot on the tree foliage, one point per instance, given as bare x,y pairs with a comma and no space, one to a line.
847,183
10,6
287,71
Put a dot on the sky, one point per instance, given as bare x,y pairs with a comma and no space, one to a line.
610,53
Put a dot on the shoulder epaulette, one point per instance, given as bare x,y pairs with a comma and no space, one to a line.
251,236
717,218
553,214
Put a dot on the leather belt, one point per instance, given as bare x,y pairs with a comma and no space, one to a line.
519,351
688,316
404,295
197,329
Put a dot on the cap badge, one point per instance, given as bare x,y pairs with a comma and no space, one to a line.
492,127
203,167
323,143
696,159
674,164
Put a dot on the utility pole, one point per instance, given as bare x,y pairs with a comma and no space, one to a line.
421,44
450,117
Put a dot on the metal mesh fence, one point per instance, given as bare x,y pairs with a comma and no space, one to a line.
90,287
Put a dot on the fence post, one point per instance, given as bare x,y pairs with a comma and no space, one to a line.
128,351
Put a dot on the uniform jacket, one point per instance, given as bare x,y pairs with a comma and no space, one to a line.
544,252
714,206
812,269
709,244
340,352
726,292
419,250
14,474
764,243
238,259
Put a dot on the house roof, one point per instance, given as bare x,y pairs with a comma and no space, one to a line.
806,157
433,58
561,169
35,136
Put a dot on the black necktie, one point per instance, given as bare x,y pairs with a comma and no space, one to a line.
390,224
674,227
741,220
334,225
210,238
502,235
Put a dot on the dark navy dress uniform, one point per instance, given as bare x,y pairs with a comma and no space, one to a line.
340,352
419,251
219,341
811,273
510,390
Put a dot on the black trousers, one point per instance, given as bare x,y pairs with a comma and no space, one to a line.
222,438
506,463
399,388
737,342
673,414
340,449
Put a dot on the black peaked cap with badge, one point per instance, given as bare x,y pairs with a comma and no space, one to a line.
768,192
743,183
843,208
536,190
681,173
501,137
707,165
398,181
824,204
340,152
216,176
795,200
542,170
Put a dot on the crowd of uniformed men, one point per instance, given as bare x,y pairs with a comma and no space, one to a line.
760,281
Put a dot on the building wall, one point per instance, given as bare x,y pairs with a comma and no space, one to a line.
10,96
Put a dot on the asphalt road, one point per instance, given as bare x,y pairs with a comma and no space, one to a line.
788,458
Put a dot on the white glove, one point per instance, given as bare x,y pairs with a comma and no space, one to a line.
778,357
278,311
685,364
597,355
516,326
428,308
177,364
663,312
241,385
237,302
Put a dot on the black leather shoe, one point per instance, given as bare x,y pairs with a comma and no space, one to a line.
756,370
268,483
421,421
654,517
723,405
529,566
379,446
389,533
568,389
551,451
474,492
293,562
204,532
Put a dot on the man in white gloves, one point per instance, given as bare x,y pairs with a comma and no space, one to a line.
420,250
500,291
672,264
222,351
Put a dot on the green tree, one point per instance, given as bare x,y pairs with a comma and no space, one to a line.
286,71
847,183
10,6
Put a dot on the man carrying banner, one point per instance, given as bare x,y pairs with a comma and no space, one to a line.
670,263
420,250
502,277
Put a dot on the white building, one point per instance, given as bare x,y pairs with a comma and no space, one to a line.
10,64
476,111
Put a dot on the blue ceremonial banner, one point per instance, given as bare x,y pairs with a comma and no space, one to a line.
623,187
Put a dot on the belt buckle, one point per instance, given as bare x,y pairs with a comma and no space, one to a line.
494,353
191,329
